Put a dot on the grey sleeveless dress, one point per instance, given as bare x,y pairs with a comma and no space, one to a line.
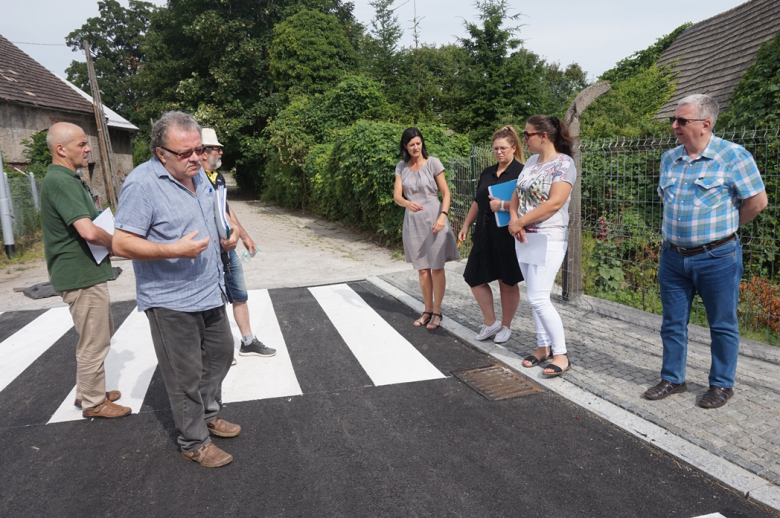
422,247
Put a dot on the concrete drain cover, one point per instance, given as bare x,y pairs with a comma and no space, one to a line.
496,382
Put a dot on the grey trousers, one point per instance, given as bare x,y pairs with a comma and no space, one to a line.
194,352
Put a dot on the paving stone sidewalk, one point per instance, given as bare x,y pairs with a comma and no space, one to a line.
617,359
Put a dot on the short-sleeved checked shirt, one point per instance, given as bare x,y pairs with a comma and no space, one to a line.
701,197
155,206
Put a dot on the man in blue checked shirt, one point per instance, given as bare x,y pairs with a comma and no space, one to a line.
709,187
166,224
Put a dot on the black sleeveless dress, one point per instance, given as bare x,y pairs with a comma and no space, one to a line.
493,255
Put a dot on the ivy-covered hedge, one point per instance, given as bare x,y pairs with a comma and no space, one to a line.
335,154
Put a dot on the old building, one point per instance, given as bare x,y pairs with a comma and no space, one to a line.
711,56
32,99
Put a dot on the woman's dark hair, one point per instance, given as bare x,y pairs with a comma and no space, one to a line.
509,133
407,136
556,131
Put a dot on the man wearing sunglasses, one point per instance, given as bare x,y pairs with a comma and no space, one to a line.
165,222
709,188
236,292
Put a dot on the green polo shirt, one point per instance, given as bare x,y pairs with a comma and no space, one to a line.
65,199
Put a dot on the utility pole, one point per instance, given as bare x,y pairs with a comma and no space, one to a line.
104,139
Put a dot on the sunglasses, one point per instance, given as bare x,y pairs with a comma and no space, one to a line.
527,135
682,122
186,154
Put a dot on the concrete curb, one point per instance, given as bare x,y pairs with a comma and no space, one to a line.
750,486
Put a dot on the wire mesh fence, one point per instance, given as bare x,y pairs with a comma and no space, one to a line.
619,226
464,174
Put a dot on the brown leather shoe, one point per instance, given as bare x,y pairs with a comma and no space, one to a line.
716,397
111,395
208,456
664,389
108,410
222,428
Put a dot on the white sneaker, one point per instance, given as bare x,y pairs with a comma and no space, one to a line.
486,332
503,335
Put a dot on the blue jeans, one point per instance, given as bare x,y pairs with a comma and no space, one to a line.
715,275
234,280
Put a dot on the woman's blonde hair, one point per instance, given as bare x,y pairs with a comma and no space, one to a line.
509,133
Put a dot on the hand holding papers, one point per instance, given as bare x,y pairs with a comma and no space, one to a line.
104,220
503,191
533,251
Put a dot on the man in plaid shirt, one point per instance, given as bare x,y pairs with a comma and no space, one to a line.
709,187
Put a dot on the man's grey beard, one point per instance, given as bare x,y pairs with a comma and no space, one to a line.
215,164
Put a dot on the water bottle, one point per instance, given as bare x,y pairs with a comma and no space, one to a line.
247,255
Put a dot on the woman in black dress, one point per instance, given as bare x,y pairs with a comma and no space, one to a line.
493,253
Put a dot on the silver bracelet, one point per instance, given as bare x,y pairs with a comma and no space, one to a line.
501,206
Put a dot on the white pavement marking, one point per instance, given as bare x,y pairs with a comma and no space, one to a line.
20,350
713,515
385,355
255,377
130,364
744,482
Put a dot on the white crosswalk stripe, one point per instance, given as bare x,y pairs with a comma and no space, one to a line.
385,356
20,350
130,364
261,378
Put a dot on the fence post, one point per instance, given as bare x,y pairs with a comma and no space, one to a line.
572,272
34,192
5,214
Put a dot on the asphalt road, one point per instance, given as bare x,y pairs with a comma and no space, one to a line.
347,445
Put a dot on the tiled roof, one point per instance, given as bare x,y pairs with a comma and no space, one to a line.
715,53
114,119
24,80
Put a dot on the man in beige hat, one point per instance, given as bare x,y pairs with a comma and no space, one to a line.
211,160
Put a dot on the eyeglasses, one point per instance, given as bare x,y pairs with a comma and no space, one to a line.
527,135
186,154
500,149
682,122
209,149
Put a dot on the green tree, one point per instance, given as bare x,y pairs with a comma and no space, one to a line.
756,99
310,52
116,37
212,59
383,47
37,153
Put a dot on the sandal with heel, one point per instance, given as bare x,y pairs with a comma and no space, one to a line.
420,322
430,326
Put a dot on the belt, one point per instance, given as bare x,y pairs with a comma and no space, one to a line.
703,248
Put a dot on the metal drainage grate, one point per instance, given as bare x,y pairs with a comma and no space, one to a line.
496,382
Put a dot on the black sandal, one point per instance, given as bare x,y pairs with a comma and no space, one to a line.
557,371
430,326
419,322
534,361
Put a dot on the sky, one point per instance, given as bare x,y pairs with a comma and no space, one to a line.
594,33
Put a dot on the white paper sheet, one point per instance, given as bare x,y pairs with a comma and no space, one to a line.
104,220
534,250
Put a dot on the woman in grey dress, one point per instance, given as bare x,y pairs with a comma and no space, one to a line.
428,239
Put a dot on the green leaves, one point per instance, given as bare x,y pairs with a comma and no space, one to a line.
755,101
310,52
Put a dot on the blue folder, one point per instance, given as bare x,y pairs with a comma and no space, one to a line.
504,192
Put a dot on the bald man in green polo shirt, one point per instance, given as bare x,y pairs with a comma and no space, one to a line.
67,211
